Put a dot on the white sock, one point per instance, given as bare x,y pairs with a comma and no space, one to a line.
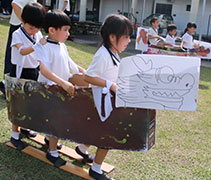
54,153
83,148
3,81
97,168
15,135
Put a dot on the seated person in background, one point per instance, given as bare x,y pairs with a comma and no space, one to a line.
187,38
153,37
170,37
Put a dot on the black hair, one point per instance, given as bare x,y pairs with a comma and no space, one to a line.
190,25
171,27
117,25
33,14
56,19
153,20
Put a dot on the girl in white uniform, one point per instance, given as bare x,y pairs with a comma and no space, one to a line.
103,71
23,58
187,38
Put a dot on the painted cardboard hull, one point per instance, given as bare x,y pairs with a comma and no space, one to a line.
49,109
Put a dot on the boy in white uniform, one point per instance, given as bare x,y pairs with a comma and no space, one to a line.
24,62
55,66
170,38
15,22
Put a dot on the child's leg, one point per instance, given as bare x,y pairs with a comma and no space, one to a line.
53,143
59,146
95,171
15,132
52,154
82,150
15,139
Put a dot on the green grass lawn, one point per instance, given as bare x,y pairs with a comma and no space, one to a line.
182,149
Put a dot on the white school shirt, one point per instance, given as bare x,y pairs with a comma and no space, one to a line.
153,32
57,60
170,39
61,5
188,39
102,66
20,36
21,3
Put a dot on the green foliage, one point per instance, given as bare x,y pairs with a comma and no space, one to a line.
182,149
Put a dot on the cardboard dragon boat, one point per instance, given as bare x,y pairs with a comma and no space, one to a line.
50,110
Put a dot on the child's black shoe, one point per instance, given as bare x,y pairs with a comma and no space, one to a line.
87,157
98,176
28,133
59,146
17,143
57,161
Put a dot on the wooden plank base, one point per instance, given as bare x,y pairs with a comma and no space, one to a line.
68,167
72,154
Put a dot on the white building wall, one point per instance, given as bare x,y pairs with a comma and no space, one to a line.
204,24
108,7
179,13
89,5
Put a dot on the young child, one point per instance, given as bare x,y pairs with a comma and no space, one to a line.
103,71
171,38
187,38
56,66
153,36
15,22
23,58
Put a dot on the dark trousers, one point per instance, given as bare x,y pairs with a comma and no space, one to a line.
27,73
7,60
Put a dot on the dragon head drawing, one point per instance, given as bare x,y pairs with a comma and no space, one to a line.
147,86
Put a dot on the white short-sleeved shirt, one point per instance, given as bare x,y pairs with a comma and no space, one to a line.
188,39
20,36
153,32
170,39
21,3
58,61
61,5
102,66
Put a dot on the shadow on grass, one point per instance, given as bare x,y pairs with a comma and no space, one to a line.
205,74
3,103
203,87
17,165
4,22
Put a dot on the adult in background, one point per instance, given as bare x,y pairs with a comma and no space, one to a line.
64,6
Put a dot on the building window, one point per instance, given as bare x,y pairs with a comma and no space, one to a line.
188,7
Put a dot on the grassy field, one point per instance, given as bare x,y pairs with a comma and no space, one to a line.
182,149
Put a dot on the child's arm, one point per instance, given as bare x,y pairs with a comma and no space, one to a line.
27,50
154,37
67,86
82,70
99,82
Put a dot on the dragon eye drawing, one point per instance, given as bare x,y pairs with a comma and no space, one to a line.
186,81
165,75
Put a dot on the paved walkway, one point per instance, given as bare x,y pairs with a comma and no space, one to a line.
94,40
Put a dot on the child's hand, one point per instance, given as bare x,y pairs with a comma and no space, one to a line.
68,87
113,87
43,41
